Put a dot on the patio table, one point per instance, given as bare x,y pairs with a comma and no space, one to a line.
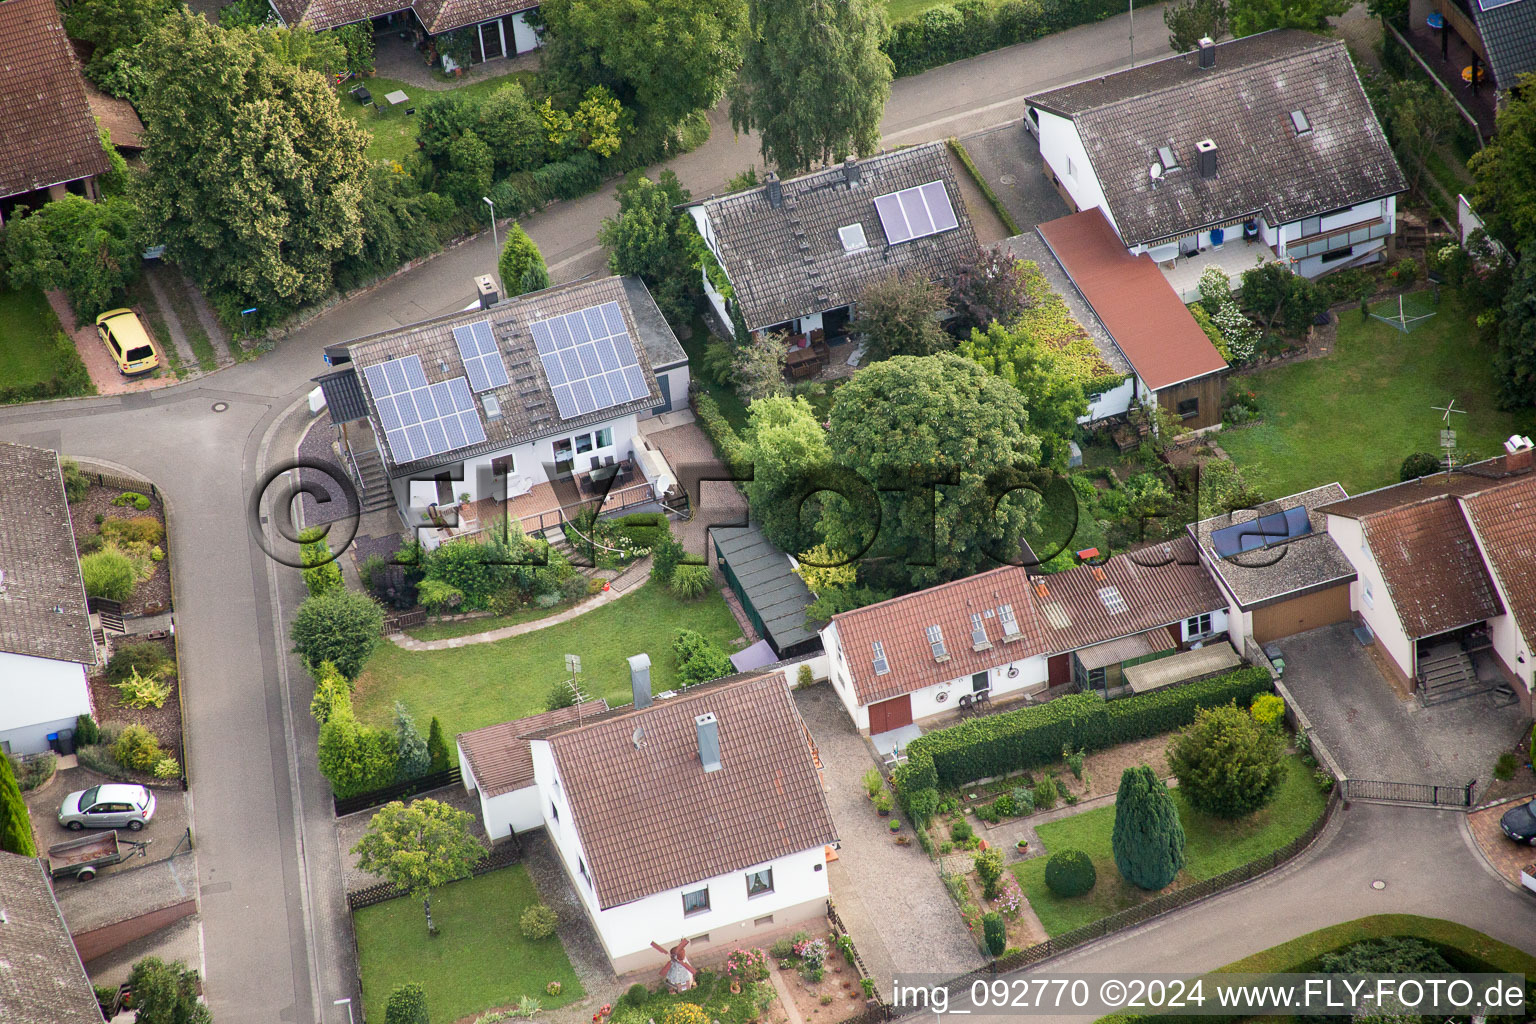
396,98
362,95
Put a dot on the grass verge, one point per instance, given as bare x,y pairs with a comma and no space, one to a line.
27,326
478,961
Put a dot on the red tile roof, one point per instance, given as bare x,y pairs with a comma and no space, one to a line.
499,755
651,819
1158,585
1471,479
435,15
47,132
1431,566
1505,521
1133,300
900,625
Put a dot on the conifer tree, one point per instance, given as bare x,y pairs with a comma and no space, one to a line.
1148,839
15,825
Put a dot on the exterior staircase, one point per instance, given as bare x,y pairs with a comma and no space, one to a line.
374,493
558,542
1447,674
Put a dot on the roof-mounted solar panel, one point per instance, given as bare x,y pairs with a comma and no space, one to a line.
916,212
482,360
420,420
589,359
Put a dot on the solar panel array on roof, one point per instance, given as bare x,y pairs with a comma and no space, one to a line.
421,419
915,212
589,359
1275,528
1488,5
482,361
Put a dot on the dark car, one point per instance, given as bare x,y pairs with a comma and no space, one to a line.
1519,823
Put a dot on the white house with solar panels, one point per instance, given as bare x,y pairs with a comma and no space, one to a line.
798,253
523,409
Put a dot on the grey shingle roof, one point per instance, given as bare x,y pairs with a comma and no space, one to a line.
41,978
1509,36
1257,578
343,391
776,280
1243,104
42,598
527,404
779,597
651,819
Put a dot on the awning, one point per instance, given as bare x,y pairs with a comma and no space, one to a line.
1208,660
1103,655
758,655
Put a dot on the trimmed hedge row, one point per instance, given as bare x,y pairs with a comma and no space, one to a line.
727,442
948,33
1034,736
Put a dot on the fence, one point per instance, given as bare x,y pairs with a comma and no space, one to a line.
858,961
378,797
1416,793
122,483
508,851
404,620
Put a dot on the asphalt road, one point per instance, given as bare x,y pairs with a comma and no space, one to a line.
273,916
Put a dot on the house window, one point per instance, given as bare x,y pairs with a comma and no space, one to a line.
554,812
583,443
979,682
1366,595
605,437
1311,226
1189,408
1097,677
696,902
759,882
1338,254
1199,625
581,865
503,465
563,456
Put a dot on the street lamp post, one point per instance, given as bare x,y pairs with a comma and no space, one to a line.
348,1001
496,243
1130,10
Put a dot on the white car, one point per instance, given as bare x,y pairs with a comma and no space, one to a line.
109,806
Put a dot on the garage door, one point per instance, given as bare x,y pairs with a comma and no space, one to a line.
890,714
1299,614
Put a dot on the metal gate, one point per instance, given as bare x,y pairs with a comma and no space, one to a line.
1420,794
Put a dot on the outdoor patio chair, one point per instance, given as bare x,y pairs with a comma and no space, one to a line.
964,704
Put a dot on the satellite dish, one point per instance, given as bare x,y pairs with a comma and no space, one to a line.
638,737
1155,172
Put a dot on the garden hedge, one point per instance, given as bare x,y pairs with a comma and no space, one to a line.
1034,736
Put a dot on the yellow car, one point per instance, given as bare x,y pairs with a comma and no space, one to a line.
127,341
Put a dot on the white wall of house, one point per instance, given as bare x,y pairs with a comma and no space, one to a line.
1188,629
707,232
1312,266
1062,150
799,891
1113,402
1237,623
1512,646
1368,595
524,38
517,811
39,696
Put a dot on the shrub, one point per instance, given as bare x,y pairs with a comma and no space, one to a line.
332,692
995,932
1241,334
15,824
783,949
684,1013
137,529
804,677
699,659
1070,873
921,806
437,747
407,1004
1215,289
873,783
883,801
638,993
747,965
34,771
132,499
322,572
110,574
90,544
961,831
1268,709
538,922
1046,792
691,581
167,768
1227,764
1023,800
1148,838
355,758
146,658
1404,272
553,988
560,695
138,691
1419,464
86,732
1074,761
76,483
521,265
338,626
1504,768
989,868
137,748
1002,807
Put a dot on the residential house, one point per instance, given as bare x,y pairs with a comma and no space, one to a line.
1261,147
1279,570
1447,573
42,980
51,147
1004,633
498,28
497,765
1500,36
699,815
46,645
796,254
519,410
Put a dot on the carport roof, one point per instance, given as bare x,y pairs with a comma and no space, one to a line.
1432,567
41,978
1266,575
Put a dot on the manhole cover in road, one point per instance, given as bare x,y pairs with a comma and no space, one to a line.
1378,885
220,406
1007,179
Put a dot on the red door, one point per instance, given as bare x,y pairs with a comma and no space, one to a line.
1059,670
890,714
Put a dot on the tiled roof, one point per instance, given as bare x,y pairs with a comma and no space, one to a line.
1259,577
435,15
41,978
1158,585
1243,104
900,627
42,597
651,819
48,131
118,117
1431,566
1505,521
443,15
1471,479
499,755
527,404
1509,36
1130,296
789,262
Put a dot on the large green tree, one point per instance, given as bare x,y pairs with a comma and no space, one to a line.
419,848
338,626
813,81
1048,380
787,448
655,242
113,25
1227,764
1504,173
898,316
521,265
937,438
1419,117
1190,21
15,824
1148,838
1516,359
89,250
1251,16
667,58
166,993
256,177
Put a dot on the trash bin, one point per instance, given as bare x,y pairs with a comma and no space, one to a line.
66,742
53,743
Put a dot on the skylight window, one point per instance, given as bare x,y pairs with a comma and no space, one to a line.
852,237
1166,157
979,641
1113,601
936,641
881,665
1010,624
1299,122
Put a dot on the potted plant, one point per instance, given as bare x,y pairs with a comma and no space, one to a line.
464,498
883,803
1022,845
895,825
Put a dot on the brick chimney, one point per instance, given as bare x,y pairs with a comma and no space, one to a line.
640,679
774,189
1517,458
851,170
709,741
1207,50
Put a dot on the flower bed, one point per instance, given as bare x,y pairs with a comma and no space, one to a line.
152,591
819,975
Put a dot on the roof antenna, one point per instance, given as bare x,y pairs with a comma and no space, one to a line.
1447,435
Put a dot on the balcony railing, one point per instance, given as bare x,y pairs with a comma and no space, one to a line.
1338,238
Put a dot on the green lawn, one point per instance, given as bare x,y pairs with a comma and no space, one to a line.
27,324
485,624
731,406
481,684
1354,415
393,132
480,959
1213,846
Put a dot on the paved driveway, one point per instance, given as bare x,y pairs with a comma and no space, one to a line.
1374,733
889,896
1009,159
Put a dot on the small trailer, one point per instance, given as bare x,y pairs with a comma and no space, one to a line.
82,858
